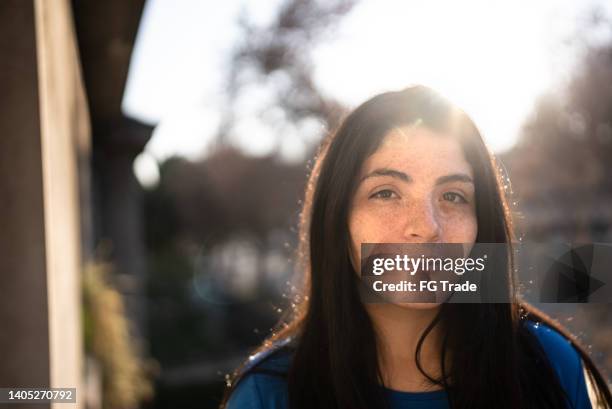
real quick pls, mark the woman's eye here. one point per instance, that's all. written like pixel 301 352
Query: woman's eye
pixel 454 197
pixel 383 194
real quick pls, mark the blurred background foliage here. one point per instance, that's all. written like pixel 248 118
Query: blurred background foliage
pixel 125 380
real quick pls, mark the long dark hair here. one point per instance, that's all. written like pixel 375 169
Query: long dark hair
pixel 495 361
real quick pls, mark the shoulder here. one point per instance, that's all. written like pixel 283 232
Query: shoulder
pixel 263 383
pixel 559 350
pixel 565 361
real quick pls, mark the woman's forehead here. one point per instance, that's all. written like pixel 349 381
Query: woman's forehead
pixel 418 151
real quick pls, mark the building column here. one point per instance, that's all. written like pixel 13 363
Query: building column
pixel 43 131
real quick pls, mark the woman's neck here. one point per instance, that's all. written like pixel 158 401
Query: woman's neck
pixel 398 332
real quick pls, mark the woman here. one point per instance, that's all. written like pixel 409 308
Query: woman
pixel 408 167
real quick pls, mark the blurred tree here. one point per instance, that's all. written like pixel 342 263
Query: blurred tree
pixel 199 206
pixel 562 162
pixel 561 173
pixel 279 55
pixel 226 194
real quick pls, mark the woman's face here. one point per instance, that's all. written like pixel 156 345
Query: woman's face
pixel 416 188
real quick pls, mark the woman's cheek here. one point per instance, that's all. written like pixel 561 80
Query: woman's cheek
pixel 364 227
pixel 375 226
pixel 460 228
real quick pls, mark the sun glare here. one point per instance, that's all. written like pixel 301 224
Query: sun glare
pixel 492 59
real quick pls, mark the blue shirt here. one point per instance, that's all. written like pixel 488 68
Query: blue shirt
pixel 266 391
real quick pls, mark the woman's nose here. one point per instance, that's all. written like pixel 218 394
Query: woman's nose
pixel 422 224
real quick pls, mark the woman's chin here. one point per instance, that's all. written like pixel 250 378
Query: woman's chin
pixel 418 305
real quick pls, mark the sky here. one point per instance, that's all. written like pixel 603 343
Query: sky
pixel 494 59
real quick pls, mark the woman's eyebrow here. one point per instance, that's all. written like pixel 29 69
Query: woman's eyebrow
pixel 454 177
pixel 387 172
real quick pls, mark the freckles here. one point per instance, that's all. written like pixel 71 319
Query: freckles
pixel 366 226
pixel 460 228
pixel 390 220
